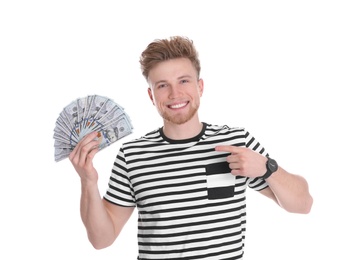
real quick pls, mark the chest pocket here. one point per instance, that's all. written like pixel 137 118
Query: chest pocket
pixel 220 182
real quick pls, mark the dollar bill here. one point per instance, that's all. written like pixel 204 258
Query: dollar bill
pixel 88 114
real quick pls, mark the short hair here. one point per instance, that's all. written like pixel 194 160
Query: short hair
pixel 166 49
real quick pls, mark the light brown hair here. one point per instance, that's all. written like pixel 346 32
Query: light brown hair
pixel 166 49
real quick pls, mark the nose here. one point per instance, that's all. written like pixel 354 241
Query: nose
pixel 175 91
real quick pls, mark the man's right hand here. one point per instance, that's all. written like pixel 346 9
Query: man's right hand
pixel 82 157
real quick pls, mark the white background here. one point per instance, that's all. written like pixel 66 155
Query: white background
pixel 288 71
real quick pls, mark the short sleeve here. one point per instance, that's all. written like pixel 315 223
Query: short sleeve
pixel 251 143
pixel 120 190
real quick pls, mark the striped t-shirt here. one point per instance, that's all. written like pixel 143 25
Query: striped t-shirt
pixel 189 204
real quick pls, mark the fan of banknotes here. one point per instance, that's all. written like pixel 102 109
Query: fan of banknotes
pixel 86 115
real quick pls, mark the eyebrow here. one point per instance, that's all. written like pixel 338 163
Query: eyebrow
pixel 164 81
pixel 184 76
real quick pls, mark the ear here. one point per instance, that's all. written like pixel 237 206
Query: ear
pixel 201 86
pixel 151 95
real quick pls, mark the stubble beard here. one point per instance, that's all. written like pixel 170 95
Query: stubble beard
pixel 179 119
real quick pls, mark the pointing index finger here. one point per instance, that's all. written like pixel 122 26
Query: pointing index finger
pixel 226 148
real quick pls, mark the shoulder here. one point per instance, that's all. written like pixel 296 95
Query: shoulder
pixel 213 129
pixel 149 138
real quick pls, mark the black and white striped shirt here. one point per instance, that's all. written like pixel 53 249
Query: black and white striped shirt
pixel 189 205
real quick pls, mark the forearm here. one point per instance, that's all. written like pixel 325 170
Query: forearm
pixel 291 191
pixel 97 221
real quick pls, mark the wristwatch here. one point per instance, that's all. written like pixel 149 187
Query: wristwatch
pixel 271 167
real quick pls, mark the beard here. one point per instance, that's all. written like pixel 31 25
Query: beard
pixel 180 118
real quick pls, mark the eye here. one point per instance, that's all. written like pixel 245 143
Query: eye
pixel 183 81
pixel 162 85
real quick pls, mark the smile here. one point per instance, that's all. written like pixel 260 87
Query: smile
pixel 180 105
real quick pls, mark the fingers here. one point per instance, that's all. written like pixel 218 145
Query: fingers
pixel 225 148
pixel 232 159
pixel 85 139
pixel 235 152
pixel 86 148
pixel 243 161
pixel 229 148
pixel 238 159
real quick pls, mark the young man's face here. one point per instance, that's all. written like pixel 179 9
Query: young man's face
pixel 175 90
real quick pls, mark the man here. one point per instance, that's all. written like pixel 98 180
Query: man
pixel 188 178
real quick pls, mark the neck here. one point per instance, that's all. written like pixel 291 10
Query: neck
pixel 183 131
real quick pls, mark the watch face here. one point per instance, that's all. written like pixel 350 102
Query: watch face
pixel 272 164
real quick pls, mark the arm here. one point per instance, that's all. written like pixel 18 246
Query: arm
pixel 290 191
pixel 103 221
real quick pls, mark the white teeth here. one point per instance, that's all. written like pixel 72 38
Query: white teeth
pixel 178 105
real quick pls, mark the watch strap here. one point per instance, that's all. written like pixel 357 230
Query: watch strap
pixel 269 171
